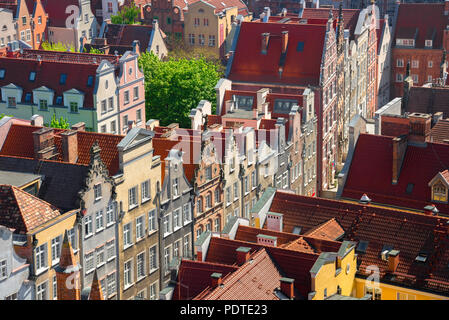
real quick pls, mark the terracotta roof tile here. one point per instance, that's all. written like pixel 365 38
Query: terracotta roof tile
pixel 440 132
pixel 429 100
pixel 330 230
pixel 22 211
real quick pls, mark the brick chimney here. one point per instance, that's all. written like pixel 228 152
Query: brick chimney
pixel 216 279
pixel 287 287
pixel 275 221
pixel 431 210
pixel 266 240
pixel 80 126
pixel 44 143
pixel 393 260
pixel 420 127
pixel 284 41
pixel 68 289
pixel 399 148
pixel 69 146
pixel 265 40
pixel 243 254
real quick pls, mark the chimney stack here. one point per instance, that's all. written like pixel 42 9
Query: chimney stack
pixel 284 41
pixel 399 148
pixel 420 127
pixel 393 260
pixel 265 40
pixel 243 254
pixel 216 279
pixel 431 210
pixel 80 126
pixel 287 287
pixel 44 143
pixel 37 120
pixel 70 146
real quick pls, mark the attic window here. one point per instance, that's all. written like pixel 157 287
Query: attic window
pixel 90 81
pixel 244 101
pixel 422 257
pixel 439 192
pixel 297 230
pixel 32 76
pixel 2 73
pixel 28 97
pixel 283 105
pixel 300 46
pixel 428 43
pixel 409 188
pixel 59 100
pixel 362 246
pixel 62 78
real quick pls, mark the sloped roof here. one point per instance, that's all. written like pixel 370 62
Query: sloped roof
pixel 125 34
pixel 300 68
pixel 423 17
pixel 77 66
pixel 440 131
pixel 257 280
pixel 410 233
pixel 371 172
pixel 429 100
pixel 22 211
pixel 350 16
pixel 19 143
pixel 329 230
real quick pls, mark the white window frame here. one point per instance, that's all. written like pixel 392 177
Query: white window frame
pixel 128 282
pixel 41 258
pixel 132 198
pixel 110 250
pixel 152 223
pixel 140 266
pixel 99 220
pixel 127 235
pixel 146 194
pixel 177 216
pixel 100 258
pixel 140 228
pixel 55 250
pixel 155 257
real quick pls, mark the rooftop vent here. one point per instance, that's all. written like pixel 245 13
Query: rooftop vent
pixel 364 199
pixel 422 257
pixel 297 230
pixel 431 210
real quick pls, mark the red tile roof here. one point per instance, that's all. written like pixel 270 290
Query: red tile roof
pixel 22 211
pixel 300 68
pixel 329 230
pixel 426 18
pixel 257 280
pixel 410 233
pixel 125 34
pixel 371 172
pixel 19 143
pixel 350 16
pixel 195 276
pixel 440 131
pixel 77 66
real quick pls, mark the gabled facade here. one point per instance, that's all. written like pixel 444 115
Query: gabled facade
pixel 7 32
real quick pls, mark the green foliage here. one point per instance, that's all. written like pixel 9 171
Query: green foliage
pixel 57 47
pixel 3 115
pixel 175 86
pixel 59 124
pixel 95 51
pixel 127 15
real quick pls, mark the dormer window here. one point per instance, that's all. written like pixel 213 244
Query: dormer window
pixel 2 73
pixel 59 100
pixel 90 81
pixel 428 44
pixel 28 97
pixel 62 78
pixel 439 187
pixel 32 76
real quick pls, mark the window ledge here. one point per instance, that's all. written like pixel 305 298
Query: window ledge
pixel 151 232
pixel 41 271
pixel 145 200
pixel 90 271
pixel 126 287
pixel 127 246
pixel 101 264
pixel 110 224
pixel 153 270
pixel 132 207
pixel 87 236
pixel 110 259
pixel 99 230
pixel 140 239
pixel 141 278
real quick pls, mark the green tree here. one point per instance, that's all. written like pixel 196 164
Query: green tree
pixel 95 51
pixel 175 86
pixel 59 124
pixel 127 15
pixel 57 46
pixel 2 115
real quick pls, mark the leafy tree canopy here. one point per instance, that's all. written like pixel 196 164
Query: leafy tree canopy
pixel 175 86
pixel 59 124
pixel 57 46
pixel 127 15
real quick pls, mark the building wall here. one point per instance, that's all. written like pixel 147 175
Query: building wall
pixel 137 166
pixel 39 18
pixel 384 67
pixel 17 269
pixel 158 46
pixel 7 31
pixel 169 17
pixel 66 36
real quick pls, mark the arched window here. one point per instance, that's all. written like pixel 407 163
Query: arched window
pixel 199 205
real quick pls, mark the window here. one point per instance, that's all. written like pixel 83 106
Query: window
pixel 72 238
pixel 89 262
pixel 176 248
pixel 145 191
pixel 186 216
pixel 439 192
pixel 139 116
pixel 167 224
pixel 186 248
pixel 206 22
pixel 246 211
pixel 430 64
pixel 217 225
pixel 12 102
pixel 43 105
pixel 236 191
pixel 39 20
pixel 99 222
pixel 246 184
pixel 110 216
pixel 3 270
pixel 86 18
pixel 167 257
pixel 42 291
pixel 168 20
pixel 140 265
pixel 126 96
pixel 140 227
pixel 32 76
pixel 141 294
pixel 110 279
pixel 285 179
pixel 12 297
pixel 429 78
pixel 177 219
pixel 110 250
pixel 199 205
pixel 128 273
pixel 22 35
pixel 428 44
pixel 90 81
pixel 217 195
pixel 253 179
pixel 399 77
pixel 111 104
pixel 415 63
pixel 38 38
pixel 132 198
pixel 62 78
pixel 405 296
pixel 196 22
pixel 55 249
pixel 175 187
pixel 191 39
pixel 103 106
pixel 127 235
pixel 153 291
pixel 110 7
pixel 136 93
pixel 113 127
pixel 208 201
pixel 209 173
pixel 211 41
pixel 415 78
pixel 209 226
pixel 201 39
pixel 88 228
pixel 74 107
pixel 399 62
pixel 125 123
pixel 100 256
pixel 28 35
pixel 228 195
pixel 2 73
pixel 152 221
pixel 376 293
pixel 153 258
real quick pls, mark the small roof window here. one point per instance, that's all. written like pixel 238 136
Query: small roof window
pixel 2 73
pixel 297 230
pixel 362 246
pixel 32 76
pixel 422 257
pixel 63 78
pixel 409 188
pixel 90 81
pixel 300 47
pixel 59 100
pixel 28 97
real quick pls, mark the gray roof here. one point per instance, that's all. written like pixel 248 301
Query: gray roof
pixel 17 179
pixel 269 192
pixel 60 181
pixel 340 297
pixel 324 258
